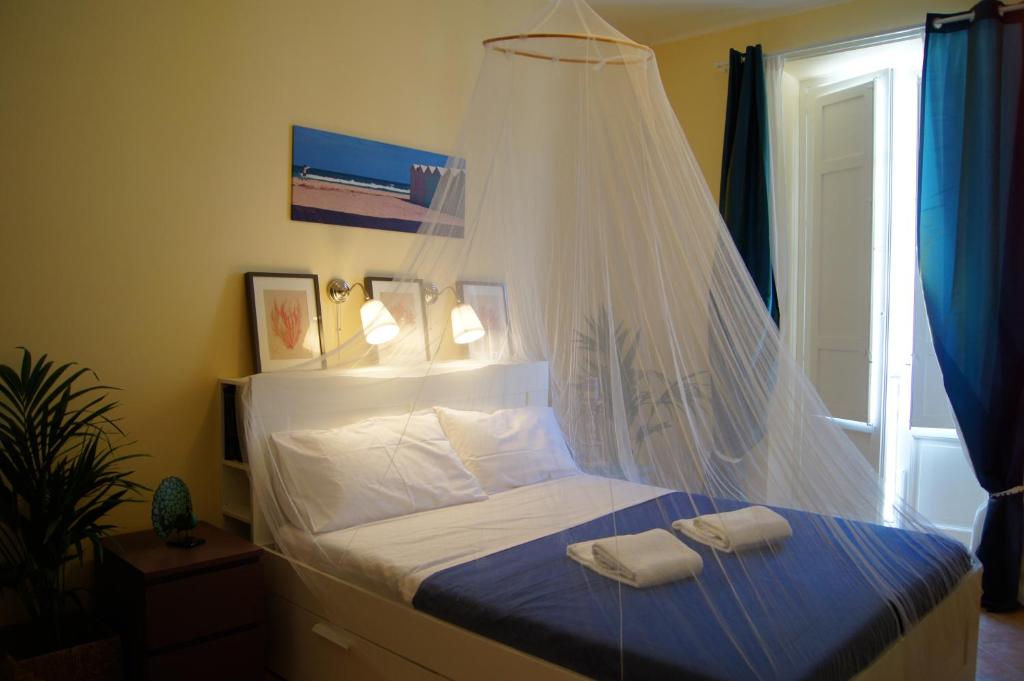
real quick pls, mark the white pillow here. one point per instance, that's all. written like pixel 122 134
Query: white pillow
pixel 509 448
pixel 370 471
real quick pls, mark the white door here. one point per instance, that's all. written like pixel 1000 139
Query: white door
pixel 836 263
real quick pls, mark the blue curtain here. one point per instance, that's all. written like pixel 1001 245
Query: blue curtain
pixel 743 195
pixel 739 424
pixel 971 256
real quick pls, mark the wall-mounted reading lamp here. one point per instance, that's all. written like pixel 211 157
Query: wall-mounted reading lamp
pixel 466 326
pixel 378 324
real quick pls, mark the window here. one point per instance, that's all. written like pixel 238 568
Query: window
pixel 855 325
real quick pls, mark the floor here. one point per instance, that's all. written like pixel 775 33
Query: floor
pixel 1001 647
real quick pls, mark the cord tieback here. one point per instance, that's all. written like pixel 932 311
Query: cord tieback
pixel 1019 489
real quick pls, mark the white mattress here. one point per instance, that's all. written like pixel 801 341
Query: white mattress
pixel 392 557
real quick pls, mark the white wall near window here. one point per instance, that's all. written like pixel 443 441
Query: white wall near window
pixel 941 485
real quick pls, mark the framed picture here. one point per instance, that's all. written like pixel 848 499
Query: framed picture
pixel 354 182
pixel 404 300
pixel 490 302
pixel 284 316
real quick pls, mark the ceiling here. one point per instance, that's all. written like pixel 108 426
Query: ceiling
pixel 659 21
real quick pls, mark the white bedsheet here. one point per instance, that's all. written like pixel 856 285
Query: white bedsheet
pixel 392 557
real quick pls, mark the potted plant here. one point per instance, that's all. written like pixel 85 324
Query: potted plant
pixel 610 357
pixel 61 473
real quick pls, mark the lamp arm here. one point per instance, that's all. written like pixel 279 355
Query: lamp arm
pixel 338 290
pixel 431 293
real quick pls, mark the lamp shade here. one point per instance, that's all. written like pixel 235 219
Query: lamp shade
pixel 466 326
pixel 378 324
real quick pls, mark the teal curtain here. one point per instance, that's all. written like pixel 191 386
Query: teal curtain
pixel 743 195
pixel 739 424
pixel 971 256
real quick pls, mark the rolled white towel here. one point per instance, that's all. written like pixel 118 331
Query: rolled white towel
pixel 640 560
pixel 736 530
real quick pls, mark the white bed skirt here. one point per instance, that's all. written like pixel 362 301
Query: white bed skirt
pixel 382 639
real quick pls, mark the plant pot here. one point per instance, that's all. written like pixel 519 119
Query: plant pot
pixel 98 660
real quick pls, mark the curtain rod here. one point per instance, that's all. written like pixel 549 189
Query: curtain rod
pixel 857 43
pixel 871 40
pixel 969 16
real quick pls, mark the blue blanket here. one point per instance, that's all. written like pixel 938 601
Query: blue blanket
pixel 801 610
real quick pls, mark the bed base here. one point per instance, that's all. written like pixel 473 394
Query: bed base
pixel 381 640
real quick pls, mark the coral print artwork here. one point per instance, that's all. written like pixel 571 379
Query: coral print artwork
pixel 287 316
pixel 404 300
pixel 491 310
pixel 491 305
pixel 284 320
pixel 402 308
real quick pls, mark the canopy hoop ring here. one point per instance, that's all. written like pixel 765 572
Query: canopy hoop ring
pixel 491 43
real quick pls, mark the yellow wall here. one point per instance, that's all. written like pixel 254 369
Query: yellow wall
pixel 697 89
pixel 146 164
pixel 146 153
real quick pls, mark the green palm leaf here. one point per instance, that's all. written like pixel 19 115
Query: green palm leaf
pixel 648 398
pixel 61 473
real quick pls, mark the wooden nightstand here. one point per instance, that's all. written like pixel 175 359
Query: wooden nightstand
pixel 186 613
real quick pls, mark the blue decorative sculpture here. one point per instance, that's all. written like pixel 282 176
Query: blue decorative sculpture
pixel 173 518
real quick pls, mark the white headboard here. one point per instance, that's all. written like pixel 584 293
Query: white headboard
pixel 326 399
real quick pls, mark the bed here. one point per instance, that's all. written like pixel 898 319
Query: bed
pixel 431 595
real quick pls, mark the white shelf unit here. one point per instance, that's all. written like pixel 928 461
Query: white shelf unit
pixel 237 505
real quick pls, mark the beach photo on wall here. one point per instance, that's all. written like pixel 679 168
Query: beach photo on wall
pixel 354 182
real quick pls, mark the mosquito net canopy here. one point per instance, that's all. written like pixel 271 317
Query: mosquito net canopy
pixel 573 227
